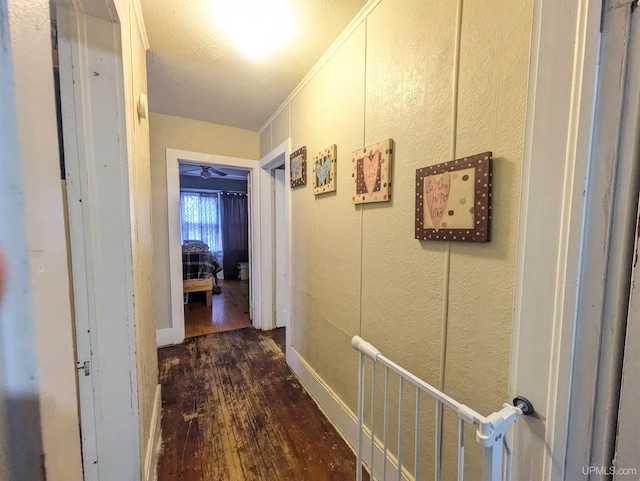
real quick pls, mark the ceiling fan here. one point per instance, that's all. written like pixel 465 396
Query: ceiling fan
pixel 206 171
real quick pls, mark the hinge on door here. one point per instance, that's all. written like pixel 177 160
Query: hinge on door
pixel 84 365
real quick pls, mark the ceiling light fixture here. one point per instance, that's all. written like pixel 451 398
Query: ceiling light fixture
pixel 205 174
pixel 256 27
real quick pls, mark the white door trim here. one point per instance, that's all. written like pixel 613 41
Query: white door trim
pixel 281 255
pixel 564 54
pixel 173 156
pixel 97 165
pixel 607 255
pixel 39 428
pixel 275 158
pixel 626 454
pixel 627 439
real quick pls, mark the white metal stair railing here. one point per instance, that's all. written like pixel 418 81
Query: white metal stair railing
pixel 491 431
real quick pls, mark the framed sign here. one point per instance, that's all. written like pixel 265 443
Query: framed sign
pixel 453 200
pixel 298 167
pixel 324 171
pixel 372 173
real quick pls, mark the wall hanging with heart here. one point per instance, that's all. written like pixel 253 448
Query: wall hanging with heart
pixel 298 167
pixel 371 173
pixel 453 200
pixel 324 170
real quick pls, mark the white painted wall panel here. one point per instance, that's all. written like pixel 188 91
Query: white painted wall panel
pixel 279 129
pixel 406 91
pixel 304 306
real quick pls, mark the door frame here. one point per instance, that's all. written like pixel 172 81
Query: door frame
pixel 564 52
pixel 626 452
pixel 607 254
pixel 628 414
pixel 39 430
pixel 272 160
pixel 562 259
pixel 176 334
pixel 281 246
pixel 95 103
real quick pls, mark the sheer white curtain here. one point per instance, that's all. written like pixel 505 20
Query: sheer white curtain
pixel 200 218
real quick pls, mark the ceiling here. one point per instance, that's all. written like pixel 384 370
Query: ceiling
pixel 195 72
pixel 195 170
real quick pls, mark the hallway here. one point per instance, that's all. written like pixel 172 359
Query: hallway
pixel 232 410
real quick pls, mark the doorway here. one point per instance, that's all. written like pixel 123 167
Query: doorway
pixel 275 232
pixel 176 333
pixel 94 72
pixel 214 225
pixel 280 235
pixel 260 231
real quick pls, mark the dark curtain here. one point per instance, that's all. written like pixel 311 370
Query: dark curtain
pixel 235 233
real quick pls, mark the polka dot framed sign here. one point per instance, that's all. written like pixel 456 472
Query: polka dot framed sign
pixel 298 164
pixel 453 200
pixel 324 171
pixel 371 173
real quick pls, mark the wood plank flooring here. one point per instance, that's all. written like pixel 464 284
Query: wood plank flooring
pixel 233 411
pixel 230 310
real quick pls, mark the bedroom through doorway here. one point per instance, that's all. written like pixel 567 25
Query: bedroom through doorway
pixel 214 235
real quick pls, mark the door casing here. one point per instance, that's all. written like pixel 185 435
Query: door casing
pixel 95 99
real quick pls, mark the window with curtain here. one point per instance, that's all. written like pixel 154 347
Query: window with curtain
pixel 200 218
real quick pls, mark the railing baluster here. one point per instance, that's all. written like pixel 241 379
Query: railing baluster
pixel 460 450
pixel 386 422
pixel 360 416
pixel 507 450
pixel 438 452
pixel 417 440
pixel 400 402
pixel 497 456
pixel 373 418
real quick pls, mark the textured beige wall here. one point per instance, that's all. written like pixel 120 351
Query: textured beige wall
pixel 168 132
pixel 265 141
pixel 358 269
pixel 280 129
pixel 142 242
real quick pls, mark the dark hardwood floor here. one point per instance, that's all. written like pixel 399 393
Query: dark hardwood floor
pixel 229 310
pixel 233 410
pixel 279 336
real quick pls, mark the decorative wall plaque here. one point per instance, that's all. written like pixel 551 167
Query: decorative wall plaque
pixel 324 171
pixel 453 200
pixel 372 173
pixel 298 164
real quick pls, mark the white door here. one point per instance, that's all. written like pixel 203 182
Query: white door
pixel 280 250
pixel 100 238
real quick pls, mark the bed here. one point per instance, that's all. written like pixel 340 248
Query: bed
pixel 199 269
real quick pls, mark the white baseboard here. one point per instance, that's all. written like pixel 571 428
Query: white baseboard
pixel 164 337
pixel 155 440
pixel 343 418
